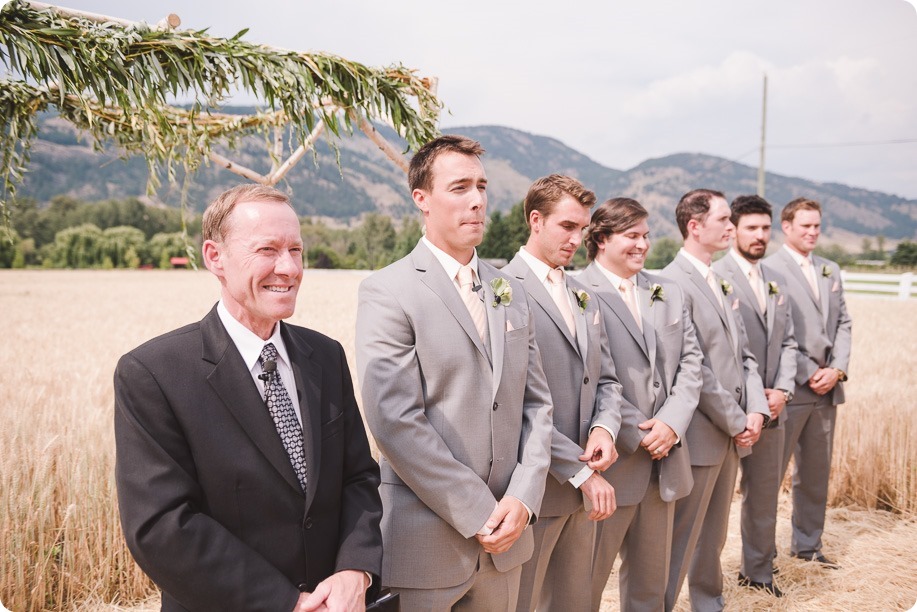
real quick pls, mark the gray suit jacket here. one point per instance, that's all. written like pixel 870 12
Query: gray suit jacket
pixel 822 327
pixel 732 386
pixel 581 376
pixel 770 334
pixel 457 434
pixel 660 373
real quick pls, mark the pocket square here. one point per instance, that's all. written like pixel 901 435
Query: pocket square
pixel 595 319
pixel 780 301
pixel 735 304
pixel 836 287
pixel 509 326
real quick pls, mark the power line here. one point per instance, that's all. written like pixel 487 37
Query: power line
pixel 826 145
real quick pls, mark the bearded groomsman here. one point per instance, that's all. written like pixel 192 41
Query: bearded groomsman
pixel 823 332
pixel 766 313
pixel 732 407
pixel 456 398
pixel 653 341
pixel 586 397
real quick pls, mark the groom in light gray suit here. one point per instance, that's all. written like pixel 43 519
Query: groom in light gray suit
pixel 653 343
pixel 586 397
pixel 823 332
pixel 732 408
pixel 765 310
pixel 455 396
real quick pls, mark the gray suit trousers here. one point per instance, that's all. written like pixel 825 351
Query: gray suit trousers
pixel 810 439
pixel 701 524
pixel 642 533
pixel 488 590
pixel 554 578
pixel 760 486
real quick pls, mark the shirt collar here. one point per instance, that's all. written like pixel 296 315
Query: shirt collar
pixel 703 268
pixel 614 278
pixel 798 257
pixel 247 342
pixel 449 263
pixel 540 268
pixel 744 264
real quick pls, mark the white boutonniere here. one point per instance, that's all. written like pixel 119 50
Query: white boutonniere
pixel 657 293
pixel 582 299
pixel 726 287
pixel 773 288
pixel 503 292
pixel 826 271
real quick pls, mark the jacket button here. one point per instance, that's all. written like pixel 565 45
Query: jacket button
pixel 308 523
pixel 586 381
pixel 496 405
pixel 656 384
pixel 738 389
pixel 303 587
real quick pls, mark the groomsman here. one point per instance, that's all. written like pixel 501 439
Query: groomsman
pixel 732 407
pixel 653 341
pixel 456 398
pixel 823 332
pixel 587 397
pixel 766 313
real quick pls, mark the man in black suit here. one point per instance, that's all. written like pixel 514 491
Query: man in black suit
pixel 244 475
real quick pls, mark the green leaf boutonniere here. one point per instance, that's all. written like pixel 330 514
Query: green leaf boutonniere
pixel 826 271
pixel 727 288
pixel 582 299
pixel 657 293
pixel 503 292
pixel 772 288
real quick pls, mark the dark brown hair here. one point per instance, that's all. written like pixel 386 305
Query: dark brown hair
pixel 420 172
pixel 694 205
pixel 749 205
pixel 789 211
pixel 547 191
pixel 614 216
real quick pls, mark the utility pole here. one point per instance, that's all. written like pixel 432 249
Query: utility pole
pixel 763 134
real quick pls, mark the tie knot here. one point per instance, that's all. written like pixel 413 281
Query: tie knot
pixel 556 276
pixel 269 352
pixel 753 273
pixel 627 285
pixel 465 276
pixel 805 262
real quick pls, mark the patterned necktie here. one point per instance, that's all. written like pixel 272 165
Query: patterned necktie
pixel 630 298
pixel 754 279
pixel 559 293
pixel 809 272
pixel 280 406
pixel 715 288
pixel 465 278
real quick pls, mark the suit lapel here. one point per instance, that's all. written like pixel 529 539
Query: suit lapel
pixel 824 288
pixel 579 320
pixel 233 383
pixel 434 277
pixel 795 270
pixel 733 272
pixel 650 320
pixel 540 294
pixel 701 284
pixel 771 315
pixel 610 295
pixel 496 320
pixel 308 376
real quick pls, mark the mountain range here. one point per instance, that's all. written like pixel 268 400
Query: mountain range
pixel 64 162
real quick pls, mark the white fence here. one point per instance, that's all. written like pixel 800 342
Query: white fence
pixel 885 285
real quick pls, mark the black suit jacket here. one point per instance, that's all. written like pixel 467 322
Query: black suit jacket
pixel 210 505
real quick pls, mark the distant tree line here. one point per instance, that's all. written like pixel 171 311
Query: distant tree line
pixel 127 233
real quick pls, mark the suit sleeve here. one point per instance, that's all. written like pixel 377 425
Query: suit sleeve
pixel 786 370
pixel 679 405
pixel 186 553
pixel 528 480
pixel 755 400
pixel 360 537
pixel 392 389
pixel 840 352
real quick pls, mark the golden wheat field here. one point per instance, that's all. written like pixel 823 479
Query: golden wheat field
pixel 63 331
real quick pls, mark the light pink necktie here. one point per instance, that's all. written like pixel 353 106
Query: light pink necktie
pixel 809 272
pixel 472 300
pixel 630 298
pixel 559 293
pixel 754 279
pixel 715 287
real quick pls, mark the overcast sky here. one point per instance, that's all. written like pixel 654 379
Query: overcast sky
pixel 626 81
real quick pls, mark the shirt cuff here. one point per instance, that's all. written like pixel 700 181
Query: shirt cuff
pixel 580 477
pixel 485 530
pixel 610 433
